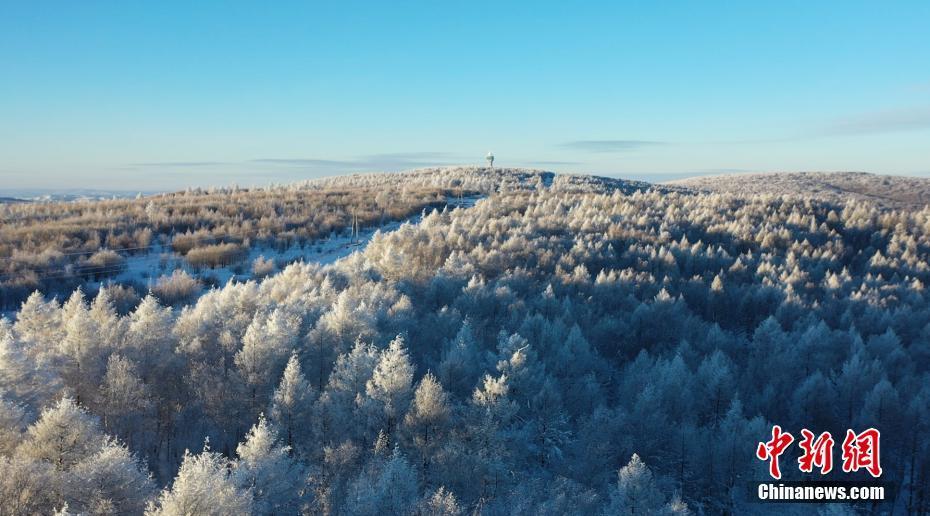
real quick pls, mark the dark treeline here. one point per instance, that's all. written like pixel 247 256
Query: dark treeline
pixel 566 346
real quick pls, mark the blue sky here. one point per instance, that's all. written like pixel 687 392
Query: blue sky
pixel 160 95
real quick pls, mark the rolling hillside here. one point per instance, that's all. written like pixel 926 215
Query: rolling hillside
pixel 884 191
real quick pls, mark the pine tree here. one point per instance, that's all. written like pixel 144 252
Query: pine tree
pixel 265 347
pixel 92 472
pixel 28 486
pixel 384 487
pixel 203 486
pixel 440 502
pixel 22 380
pixel 124 401
pixel 112 481
pixel 64 435
pixel 353 370
pixel 292 404
pixel 12 425
pixel 150 341
pixel 427 418
pixel 38 322
pixel 338 408
pixel 460 360
pixel 635 492
pixel 266 469
pixel 492 412
pixel 109 323
pixel 390 383
pixel 81 351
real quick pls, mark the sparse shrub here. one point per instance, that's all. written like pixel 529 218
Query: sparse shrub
pixel 103 263
pixel 217 255
pixel 262 267
pixel 178 288
pixel 183 243
pixel 125 298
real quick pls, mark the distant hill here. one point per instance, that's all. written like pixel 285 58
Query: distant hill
pixel 11 200
pixel 485 180
pixel 884 191
pixel 66 194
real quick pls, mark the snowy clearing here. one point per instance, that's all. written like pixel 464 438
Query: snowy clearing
pixel 146 269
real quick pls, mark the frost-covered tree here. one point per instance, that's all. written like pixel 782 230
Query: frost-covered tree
pixel 204 485
pixel 265 347
pixel 386 486
pixel 112 481
pixel 492 412
pixel 12 425
pixel 292 405
pixel 266 469
pixel 557 311
pixel 427 418
pixel 150 340
pixel 38 322
pixel 78 465
pixel 23 379
pixel 636 492
pixel 81 351
pixel 440 502
pixel 391 382
pixel 28 486
pixel 125 402
pixel 63 436
pixel 460 365
pixel 338 407
pixel 103 312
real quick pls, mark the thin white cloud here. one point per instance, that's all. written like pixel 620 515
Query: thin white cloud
pixel 892 120
pixel 372 162
pixel 609 145
pixel 176 164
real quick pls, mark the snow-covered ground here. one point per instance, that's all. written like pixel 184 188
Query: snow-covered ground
pixel 147 268
pixel 883 191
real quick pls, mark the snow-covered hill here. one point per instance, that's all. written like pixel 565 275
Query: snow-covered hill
pixel 547 350
pixel 145 269
pixel 883 191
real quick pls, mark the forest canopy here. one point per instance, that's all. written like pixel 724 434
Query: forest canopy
pixel 568 345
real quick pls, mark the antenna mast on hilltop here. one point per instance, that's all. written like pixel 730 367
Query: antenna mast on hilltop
pixel 490 158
